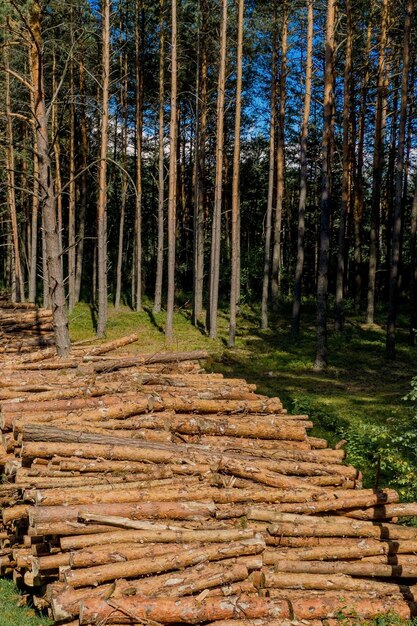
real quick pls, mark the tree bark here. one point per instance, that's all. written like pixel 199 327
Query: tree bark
pixel 52 236
pixel 277 248
pixel 172 187
pixel 123 95
pixel 72 182
pixel 346 169
pixel 271 176
pixel 137 273
pixel 399 169
pixel 218 186
pixel 11 192
pixel 303 174
pixel 378 163
pixel 83 185
pixel 161 168
pixel 200 162
pixel 102 182
pixel 327 149
pixel 235 273
pixel 413 271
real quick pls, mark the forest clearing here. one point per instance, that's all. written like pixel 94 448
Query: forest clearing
pixel 125 471
pixel 208 312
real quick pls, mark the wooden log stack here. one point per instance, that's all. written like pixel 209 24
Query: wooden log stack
pixel 156 493
pixel 24 327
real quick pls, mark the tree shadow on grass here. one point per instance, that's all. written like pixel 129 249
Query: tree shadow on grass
pixel 153 320
pixel 93 313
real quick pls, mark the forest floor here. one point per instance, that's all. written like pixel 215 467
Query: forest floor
pixel 359 398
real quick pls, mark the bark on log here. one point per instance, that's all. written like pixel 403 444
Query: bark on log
pixel 144 359
pixel 357 568
pixel 184 610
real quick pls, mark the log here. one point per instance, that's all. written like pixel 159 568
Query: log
pixel 183 425
pixel 383 512
pixel 108 346
pixel 132 569
pixel 332 582
pixel 174 509
pixel 189 581
pixel 182 610
pixel 144 359
pixel 357 568
pixel 340 504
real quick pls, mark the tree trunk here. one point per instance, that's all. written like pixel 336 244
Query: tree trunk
pixel 413 270
pixel 137 284
pixel 71 186
pixel 271 175
pixel 172 188
pixel 277 249
pixel 358 195
pixel 54 265
pixel 102 182
pixel 83 185
pixel 346 173
pixel 378 164
pixel 303 175
pixel 200 163
pixel 399 169
pixel 34 225
pixel 11 192
pixel 57 177
pixel 328 132
pixel 123 69
pixel 161 169
pixel 218 187
pixel 235 274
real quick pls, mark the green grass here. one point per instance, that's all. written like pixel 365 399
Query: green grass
pixel 358 398
pixel 13 613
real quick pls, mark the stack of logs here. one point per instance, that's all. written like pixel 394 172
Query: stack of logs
pixel 24 327
pixel 141 490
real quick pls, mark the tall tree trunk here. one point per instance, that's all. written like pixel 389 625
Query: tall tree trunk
pixel 83 182
pixel 57 160
pixel 172 186
pixel 161 168
pixel 56 280
pixel 123 94
pixel 71 186
pixel 303 174
pixel 378 163
pixel 346 173
pixel 271 175
pixel 200 161
pixel 218 186
pixel 34 225
pixel 11 191
pixel 399 168
pixel 137 296
pixel 102 182
pixel 413 270
pixel 358 196
pixel 328 132
pixel 277 248
pixel 235 274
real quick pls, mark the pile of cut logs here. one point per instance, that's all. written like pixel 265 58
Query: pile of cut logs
pixel 24 327
pixel 161 494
